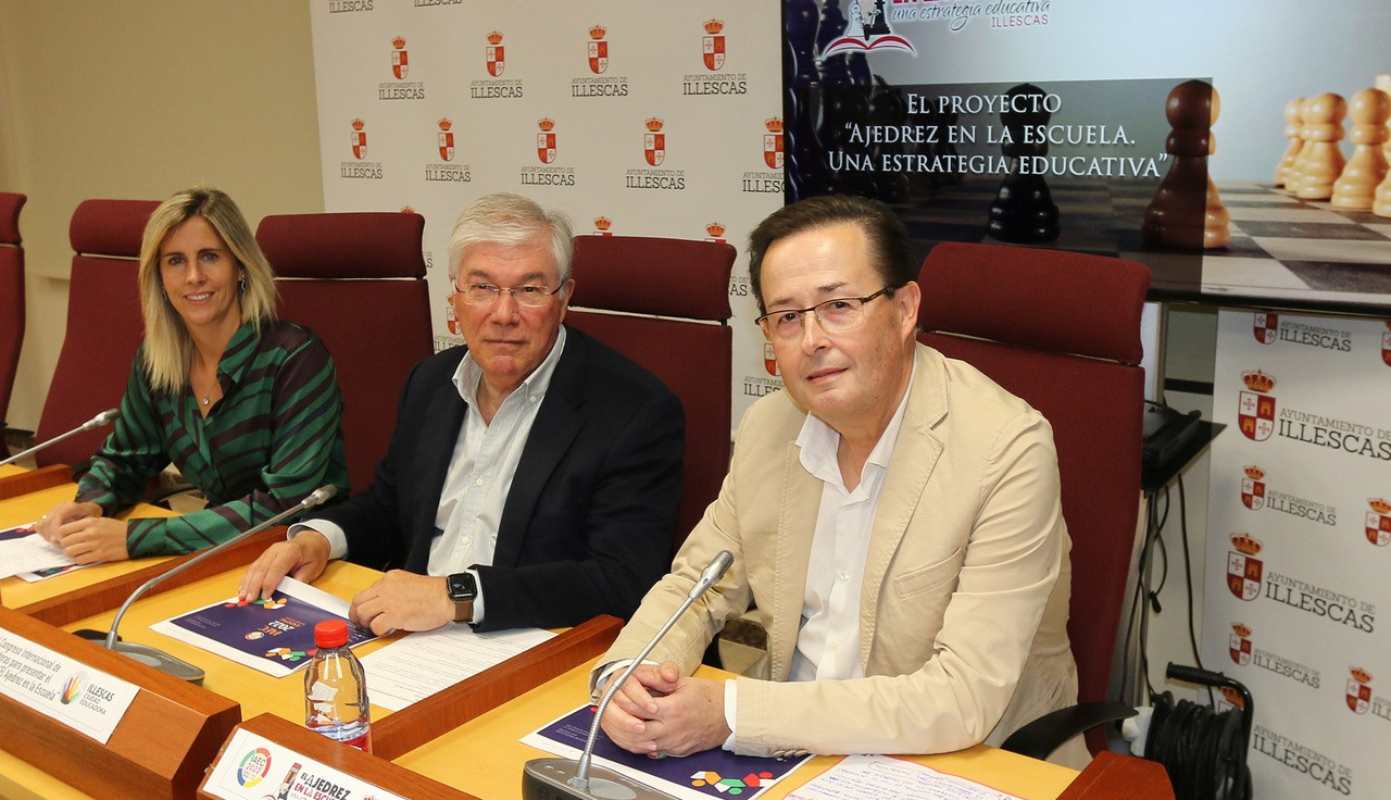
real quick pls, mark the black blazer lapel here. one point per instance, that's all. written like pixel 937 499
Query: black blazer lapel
pixel 439 433
pixel 557 424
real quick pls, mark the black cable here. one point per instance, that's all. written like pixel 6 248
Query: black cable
pixel 1202 750
pixel 1188 581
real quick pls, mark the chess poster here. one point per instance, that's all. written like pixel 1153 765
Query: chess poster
pixel 1239 149
pixel 275 636
pixel 1296 602
pixel 634 117
pixel 712 773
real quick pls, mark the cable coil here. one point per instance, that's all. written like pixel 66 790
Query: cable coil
pixel 1203 750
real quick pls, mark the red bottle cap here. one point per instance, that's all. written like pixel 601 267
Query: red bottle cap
pixel 330 633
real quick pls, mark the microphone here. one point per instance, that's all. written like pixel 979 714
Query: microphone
pixel 104 418
pixel 567 779
pixel 160 660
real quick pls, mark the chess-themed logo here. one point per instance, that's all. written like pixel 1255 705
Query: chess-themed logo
pixel 1239 644
pixel 446 139
pixel 867 30
pixel 493 55
pixel 1244 570
pixel 359 139
pixel 1379 522
pixel 254 767
pixel 654 142
pixel 72 687
pixel 773 143
pixel 1266 327
pixel 400 58
pixel 602 225
pixel 712 45
pixel 545 140
pixel 730 786
pixel 714 232
pixel 770 359
pixel 1253 488
pixel 1386 344
pixel 598 50
pixel 1359 690
pixel 1256 408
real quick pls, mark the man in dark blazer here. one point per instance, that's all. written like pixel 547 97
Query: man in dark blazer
pixel 533 477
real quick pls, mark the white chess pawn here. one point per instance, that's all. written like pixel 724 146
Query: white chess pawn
pixel 1321 162
pixel 1366 169
pixel 1383 82
pixel 1293 174
pixel 1285 168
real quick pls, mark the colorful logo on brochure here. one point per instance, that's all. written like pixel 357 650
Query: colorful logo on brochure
pixel 254 767
pixel 730 786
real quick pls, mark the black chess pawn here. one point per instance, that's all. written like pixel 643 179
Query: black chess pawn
pixel 1023 210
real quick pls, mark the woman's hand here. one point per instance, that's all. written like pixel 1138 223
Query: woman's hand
pixel 92 540
pixel 61 515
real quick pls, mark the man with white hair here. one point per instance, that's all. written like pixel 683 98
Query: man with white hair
pixel 534 474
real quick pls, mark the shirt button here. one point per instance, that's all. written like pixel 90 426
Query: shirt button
pixel 479 482
pixel 842 576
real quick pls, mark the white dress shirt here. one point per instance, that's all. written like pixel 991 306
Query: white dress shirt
pixel 479 476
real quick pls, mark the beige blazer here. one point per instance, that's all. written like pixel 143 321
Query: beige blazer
pixel 964 606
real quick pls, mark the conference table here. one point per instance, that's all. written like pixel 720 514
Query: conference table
pixel 465 739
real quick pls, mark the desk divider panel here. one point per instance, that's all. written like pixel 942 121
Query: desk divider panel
pixel 371 768
pixel 161 745
pixel 447 709
pixel 35 480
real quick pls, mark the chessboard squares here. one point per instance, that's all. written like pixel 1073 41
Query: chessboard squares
pixel 1382 228
pixel 1295 214
pixel 1335 277
pixel 1245 272
pixel 1303 231
pixel 1318 250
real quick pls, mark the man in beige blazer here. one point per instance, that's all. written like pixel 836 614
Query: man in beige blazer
pixel 895 523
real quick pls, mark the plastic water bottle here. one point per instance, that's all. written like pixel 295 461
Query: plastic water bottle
pixel 335 689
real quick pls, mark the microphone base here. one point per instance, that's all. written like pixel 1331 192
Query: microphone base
pixel 160 660
pixel 554 779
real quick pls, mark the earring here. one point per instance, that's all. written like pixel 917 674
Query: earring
pixel 241 283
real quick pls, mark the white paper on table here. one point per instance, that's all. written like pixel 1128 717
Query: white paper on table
pixel 884 778
pixel 29 554
pixel 43 575
pixel 297 589
pixel 416 666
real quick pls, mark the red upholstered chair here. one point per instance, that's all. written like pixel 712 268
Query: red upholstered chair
pixel 680 289
pixel 358 281
pixel 104 325
pixel 11 296
pixel 1062 331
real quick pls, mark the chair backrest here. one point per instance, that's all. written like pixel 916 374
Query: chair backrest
pixel 664 303
pixel 358 281
pixel 104 324
pixel 1062 331
pixel 11 295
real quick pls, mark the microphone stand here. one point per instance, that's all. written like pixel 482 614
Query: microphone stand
pixel 568 779
pixel 99 420
pixel 162 661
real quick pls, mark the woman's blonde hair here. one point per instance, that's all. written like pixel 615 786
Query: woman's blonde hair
pixel 168 350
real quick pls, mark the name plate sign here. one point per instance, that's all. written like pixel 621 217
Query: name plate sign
pixel 253 767
pixel 61 688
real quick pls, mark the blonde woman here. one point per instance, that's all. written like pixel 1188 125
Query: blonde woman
pixel 246 406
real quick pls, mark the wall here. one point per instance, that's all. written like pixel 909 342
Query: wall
pixel 139 100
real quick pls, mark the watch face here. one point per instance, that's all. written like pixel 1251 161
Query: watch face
pixel 462 586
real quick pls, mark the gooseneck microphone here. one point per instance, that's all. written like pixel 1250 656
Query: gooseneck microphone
pixel 568 779
pixel 161 660
pixel 104 418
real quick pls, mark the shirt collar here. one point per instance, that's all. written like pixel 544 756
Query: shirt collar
pixel 819 442
pixel 236 356
pixel 533 388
